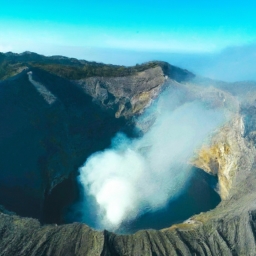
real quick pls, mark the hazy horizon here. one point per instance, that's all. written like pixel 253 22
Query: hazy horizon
pixel 231 64
pixel 213 39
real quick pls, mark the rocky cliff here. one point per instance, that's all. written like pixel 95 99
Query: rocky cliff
pixel 51 120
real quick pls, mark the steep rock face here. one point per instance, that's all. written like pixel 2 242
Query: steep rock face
pixel 231 153
pixel 227 153
pixel 130 95
pixel 126 95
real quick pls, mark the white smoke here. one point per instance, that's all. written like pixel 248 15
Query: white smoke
pixel 143 174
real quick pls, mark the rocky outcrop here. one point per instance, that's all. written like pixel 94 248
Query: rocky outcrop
pixel 127 96
pixel 231 153
pixel 228 153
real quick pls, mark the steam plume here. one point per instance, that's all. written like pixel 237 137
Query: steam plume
pixel 138 175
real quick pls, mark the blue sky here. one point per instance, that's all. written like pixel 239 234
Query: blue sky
pixel 95 30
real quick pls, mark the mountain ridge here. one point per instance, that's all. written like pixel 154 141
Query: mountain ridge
pixel 82 68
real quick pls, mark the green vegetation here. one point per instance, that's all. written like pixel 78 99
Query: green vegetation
pixel 75 73
pixel 69 68
pixel 8 70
